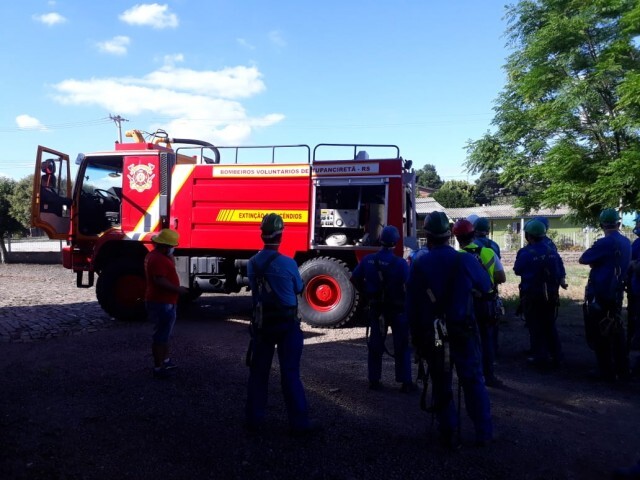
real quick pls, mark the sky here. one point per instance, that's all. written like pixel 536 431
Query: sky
pixel 419 74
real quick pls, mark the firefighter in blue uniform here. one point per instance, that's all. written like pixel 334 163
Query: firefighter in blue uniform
pixel 546 240
pixel 382 278
pixel 486 310
pixel 440 293
pixel 276 324
pixel 482 229
pixel 633 298
pixel 541 273
pixel 609 259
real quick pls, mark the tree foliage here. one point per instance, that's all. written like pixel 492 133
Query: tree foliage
pixel 20 201
pixel 487 188
pixel 8 223
pixel 455 194
pixel 568 119
pixel 428 177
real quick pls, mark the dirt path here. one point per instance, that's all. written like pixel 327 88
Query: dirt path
pixel 84 406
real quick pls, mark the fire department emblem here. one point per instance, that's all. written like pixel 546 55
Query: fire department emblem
pixel 141 177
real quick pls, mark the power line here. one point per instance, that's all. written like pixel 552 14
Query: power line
pixel 118 121
pixel 57 126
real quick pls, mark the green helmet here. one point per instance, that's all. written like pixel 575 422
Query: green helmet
pixel 609 217
pixel 482 225
pixel 272 225
pixel 535 228
pixel 436 224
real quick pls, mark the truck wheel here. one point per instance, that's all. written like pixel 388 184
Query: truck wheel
pixel 120 290
pixel 329 299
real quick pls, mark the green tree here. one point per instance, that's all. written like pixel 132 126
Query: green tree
pixel 567 123
pixel 8 223
pixel 487 188
pixel 427 176
pixel 20 201
pixel 455 194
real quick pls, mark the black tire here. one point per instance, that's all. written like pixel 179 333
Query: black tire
pixel 329 299
pixel 120 290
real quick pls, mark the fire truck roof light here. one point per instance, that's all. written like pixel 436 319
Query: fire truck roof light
pixel 362 155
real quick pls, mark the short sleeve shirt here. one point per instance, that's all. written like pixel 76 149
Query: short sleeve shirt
pixel 157 264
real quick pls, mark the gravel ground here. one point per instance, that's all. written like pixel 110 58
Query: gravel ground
pixel 78 401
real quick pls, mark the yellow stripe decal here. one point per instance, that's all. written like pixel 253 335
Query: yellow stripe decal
pixel 255 216
pixel 180 175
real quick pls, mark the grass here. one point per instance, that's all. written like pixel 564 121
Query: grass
pixel 577 276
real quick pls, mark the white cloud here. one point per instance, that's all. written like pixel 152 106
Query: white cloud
pixel 116 46
pixel 173 59
pixel 150 14
pixel 230 82
pixel 275 37
pixel 50 19
pixel 198 104
pixel 29 122
pixel 244 43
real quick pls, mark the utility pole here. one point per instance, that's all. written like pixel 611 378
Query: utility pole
pixel 118 121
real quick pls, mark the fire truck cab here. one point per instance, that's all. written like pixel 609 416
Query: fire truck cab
pixel 334 199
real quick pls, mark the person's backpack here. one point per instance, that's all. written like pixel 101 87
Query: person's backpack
pixel 263 292
pixel 383 297
pixel 547 273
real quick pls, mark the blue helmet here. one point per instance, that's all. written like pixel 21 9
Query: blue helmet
pixel 482 225
pixel 389 236
pixel 544 221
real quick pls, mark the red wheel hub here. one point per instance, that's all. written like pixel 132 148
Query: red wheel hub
pixel 323 293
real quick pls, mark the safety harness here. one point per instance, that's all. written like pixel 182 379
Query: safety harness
pixel 441 366
pixel 382 300
pixel 593 308
pixel 263 289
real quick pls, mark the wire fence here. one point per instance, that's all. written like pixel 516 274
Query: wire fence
pixel 572 241
pixel 33 244
pixel 508 242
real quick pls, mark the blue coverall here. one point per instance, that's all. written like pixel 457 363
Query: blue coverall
pixel 281 328
pixel 451 276
pixel 485 311
pixel 539 296
pixel 633 325
pixel 484 241
pixel 609 259
pixel 387 311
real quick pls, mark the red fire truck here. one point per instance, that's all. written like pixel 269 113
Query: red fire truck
pixel 334 200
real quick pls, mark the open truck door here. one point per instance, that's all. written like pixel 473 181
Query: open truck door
pixel 51 198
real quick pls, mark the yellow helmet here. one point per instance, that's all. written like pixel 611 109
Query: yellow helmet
pixel 166 237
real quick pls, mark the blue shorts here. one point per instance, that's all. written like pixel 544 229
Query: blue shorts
pixel 163 316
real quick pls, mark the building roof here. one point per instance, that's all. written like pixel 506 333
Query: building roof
pixel 504 211
pixel 425 205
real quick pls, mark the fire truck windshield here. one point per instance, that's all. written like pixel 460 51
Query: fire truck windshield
pixel 100 195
